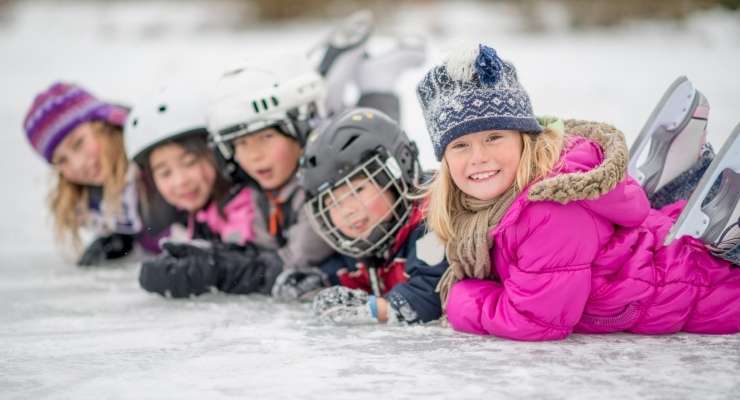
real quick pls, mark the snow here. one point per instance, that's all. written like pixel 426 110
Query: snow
pixel 89 333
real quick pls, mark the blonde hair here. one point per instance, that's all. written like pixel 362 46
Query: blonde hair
pixel 540 153
pixel 68 201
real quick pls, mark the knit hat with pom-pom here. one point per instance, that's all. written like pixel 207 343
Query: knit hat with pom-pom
pixel 473 91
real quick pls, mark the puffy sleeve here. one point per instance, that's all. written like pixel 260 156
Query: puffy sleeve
pixel 544 262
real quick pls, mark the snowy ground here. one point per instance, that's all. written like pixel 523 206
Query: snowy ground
pixel 72 333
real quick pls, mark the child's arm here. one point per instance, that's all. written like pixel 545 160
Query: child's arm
pixel 416 300
pixel 548 255
pixel 303 247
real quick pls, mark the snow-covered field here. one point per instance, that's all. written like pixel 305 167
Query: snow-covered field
pixel 72 333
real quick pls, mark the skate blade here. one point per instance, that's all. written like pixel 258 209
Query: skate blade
pixel 670 112
pixel 695 220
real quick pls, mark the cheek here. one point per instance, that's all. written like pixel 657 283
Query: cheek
pixel 286 153
pixel 165 188
pixel 206 174
pixel 456 167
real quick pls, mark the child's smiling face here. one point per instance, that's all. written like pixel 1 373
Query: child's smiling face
pixel 268 156
pixel 78 157
pixel 184 179
pixel 358 206
pixel 484 164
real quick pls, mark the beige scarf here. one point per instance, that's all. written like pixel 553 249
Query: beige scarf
pixel 468 254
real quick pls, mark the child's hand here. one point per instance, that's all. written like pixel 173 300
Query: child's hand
pixel 299 284
pixel 342 305
pixel 106 248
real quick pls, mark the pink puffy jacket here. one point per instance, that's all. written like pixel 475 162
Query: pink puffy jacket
pixel 595 266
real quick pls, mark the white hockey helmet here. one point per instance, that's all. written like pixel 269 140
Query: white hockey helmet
pixel 282 91
pixel 176 110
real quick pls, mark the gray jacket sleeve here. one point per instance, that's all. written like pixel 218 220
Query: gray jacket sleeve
pixel 303 247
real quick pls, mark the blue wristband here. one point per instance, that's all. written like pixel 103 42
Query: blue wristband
pixel 372 303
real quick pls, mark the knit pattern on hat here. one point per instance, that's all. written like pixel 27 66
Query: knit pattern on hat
pixel 472 91
pixel 58 110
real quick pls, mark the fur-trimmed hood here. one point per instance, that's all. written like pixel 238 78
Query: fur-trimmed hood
pixel 570 186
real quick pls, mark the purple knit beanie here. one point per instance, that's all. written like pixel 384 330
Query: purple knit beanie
pixel 56 111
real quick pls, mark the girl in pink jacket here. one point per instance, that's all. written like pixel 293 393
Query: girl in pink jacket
pixel 544 233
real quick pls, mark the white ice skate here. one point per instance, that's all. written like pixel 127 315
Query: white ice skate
pixel 716 223
pixel 352 33
pixel 673 136
pixel 383 65
pixel 340 54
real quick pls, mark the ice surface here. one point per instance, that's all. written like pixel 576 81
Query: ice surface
pixel 67 332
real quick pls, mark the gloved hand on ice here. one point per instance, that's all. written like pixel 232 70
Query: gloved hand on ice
pixel 104 248
pixel 342 305
pixel 186 269
pixel 299 284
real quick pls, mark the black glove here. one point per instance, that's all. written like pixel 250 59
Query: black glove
pixel 110 247
pixel 299 284
pixel 245 270
pixel 180 271
pixel 185 269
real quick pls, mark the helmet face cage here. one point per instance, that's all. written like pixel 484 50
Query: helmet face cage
pixel 386 177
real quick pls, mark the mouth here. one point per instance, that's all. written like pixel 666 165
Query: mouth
pixel 191 195
pixel 264 173
pixel 360 225
pixel 483 175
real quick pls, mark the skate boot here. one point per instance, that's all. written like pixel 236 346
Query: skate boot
pixel 673 137
pixel 716 221
pixel 340 54
pixel 377 75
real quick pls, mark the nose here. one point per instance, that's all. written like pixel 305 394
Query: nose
pixel 478 156
pixel 348 206
pixel 179 178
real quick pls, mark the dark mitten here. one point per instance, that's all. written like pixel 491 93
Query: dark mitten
pixel 110 247
pixel 299 284
pixel 181 271
pixel 245 270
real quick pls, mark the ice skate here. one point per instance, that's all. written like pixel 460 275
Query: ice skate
pixel 716 222
pixel 673 137
pixel 340 54
pixel 380 68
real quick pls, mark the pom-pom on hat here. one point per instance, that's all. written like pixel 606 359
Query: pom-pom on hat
pixel 59 109
pixel 472 91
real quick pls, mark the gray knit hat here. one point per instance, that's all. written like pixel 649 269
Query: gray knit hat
pixel 473 91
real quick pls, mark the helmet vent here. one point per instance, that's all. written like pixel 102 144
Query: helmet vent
pixel 350 141
pixel 274 101
pixel 311 161
pixel 256 107
pixel 162 108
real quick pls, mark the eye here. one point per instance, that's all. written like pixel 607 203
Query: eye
pixel 189 160
pixel 493 137
pixel 78 143
pixel 458 145
pixel 162 173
